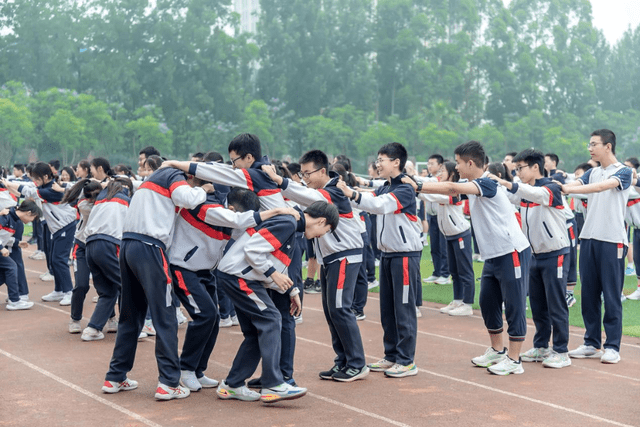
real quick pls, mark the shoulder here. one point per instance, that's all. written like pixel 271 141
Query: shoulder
pixel 487 186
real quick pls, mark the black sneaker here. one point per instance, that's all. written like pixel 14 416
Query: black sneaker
pixel 308 284
pixel 328 375
pixel 315 289
pixel 360 315
pixel 290 381
pixel 254 383
pixel 346 375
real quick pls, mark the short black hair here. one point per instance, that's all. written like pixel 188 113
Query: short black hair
pixel 395 150
pixel 243 200
pixel 317 157
pixel 511 153
pixel 55 163
pixel 532 157
pixel 19 166
pixel 554 158
pixel 437 157
pixel 246 143
pixel 294 168
pixel 198 155
pixel 584 166
pixel 213 156
pixel 30 206
pixel 634 161
pixel 471 150
pixel 149 151
pixel 607 137
pixel 324 210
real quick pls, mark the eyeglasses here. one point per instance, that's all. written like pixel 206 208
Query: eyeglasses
pixel 378 161
pixel 519 168
pixel 593 144
pixel 306 175
pixel 233 161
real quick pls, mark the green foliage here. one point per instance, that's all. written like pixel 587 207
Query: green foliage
pixel 67 131
pixel 16 129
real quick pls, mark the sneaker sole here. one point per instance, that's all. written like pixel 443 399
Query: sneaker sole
pixel 236 397
pixel 402 374
pixel 486 365
pixel 165 397
pixel 502 374
pixel 278 398
pixel 547 365
pixel 52 300
pixel 97 338
pixel 582 356
pixel 610 362
pixel 380 369
pixel 360 376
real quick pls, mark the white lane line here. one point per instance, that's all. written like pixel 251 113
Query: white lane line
pixel 480 317
pixel 81 390
pixel 335 402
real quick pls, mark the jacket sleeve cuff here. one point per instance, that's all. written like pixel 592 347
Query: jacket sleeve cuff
pixel 285 183
pixel 257 218
pixel 192 168
pixel 514 188
pixel 270 271
pixel 20 189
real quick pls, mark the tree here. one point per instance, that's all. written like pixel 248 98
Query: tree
pixel 67 131
pixel 148 131
pixel 16 129
pixel 257 121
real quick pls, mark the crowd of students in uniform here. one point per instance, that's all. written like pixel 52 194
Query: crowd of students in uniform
pixel 225 241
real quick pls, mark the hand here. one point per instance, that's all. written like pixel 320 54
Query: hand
pixel 270 170
pixel 23 245
pixel 296 306
pixel 499 180
pixel 169 164
pixel 361 181
pixel 290 211
pixel 345 188
pixel 209 188
pixel 4 212
pixel 4 252
pixel 57 187
pixel 407 180
pixel 282 281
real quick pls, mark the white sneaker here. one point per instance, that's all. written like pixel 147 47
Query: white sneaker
pixel 586 352
pixel 283 391
pixel 111 326
pixel 189 380
pixel 373 284
pixel 418 312
pixel 443 280
pixel 463 310
pixel 75 327
pixel 114 387
pixel 148 328
pixel 182 319
pixel 206 382
pixel 91 334
pixel 235 321
pixel 298 319
pixel 95 299
pixel 610 356
pixel 47 277
pixel 19 305
pixel 53 296
pixel 557 360
pixel 453 304
pixel 535 354
pixel 38 255
pixel 164 392
pixel 66 299
pixel 142 336
pixel 376 263
pixel 623 298
pixel 635 295
pixel 430 279
pixel 226 322
pixel 490 357
pixel 225 392
pixel 506 366
pixel 24 297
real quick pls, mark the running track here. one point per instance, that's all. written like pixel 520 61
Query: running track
pixel 51 378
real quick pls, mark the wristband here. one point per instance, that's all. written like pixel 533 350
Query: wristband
pixel 295 291
pixel 419 189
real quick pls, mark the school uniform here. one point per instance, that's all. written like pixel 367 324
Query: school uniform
pixel 104 235
pixel 572 233
pixel 632 218
pixel 245 273
pixel 362 282
pixel 199 239
pixel 80 265
pixel 603 248
pixel 399 241
pixel 456 229
pixel 60 223
pixel 8 267
pixel 16 251
pixel 339 255
pixel 506 254
pixel 544 223
pixel 144 270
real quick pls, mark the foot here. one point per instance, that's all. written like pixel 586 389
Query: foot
pixel 180 317
pixel 91 334
pixel 148 328
pixel 114 386
pixel 19 305
pixel 359 315
pixel 225 392
pixel 66 299
pixel 142 336
pixel 535 355
pixel 635 295
pixel 53 296
pixel 235 321
pixel 586 352
pixel 298 319
pixel 95 299
pixel 490 357
pixel 571 300
pixel 226 322
pixel 556 360
pixel 328 375
pixel 630 271
pixel 347 375
pixel 75 327
pixel 381 365
pixel 444 280
pixel 430 279
pixel 462 310
pixel 610 356
pixel 111 326
pixel 309 283
pixel 506 366
pixel 453 304
pixel 400 371
pixel 282 392
pixel 206 382
pixel 47 277
pixel 164 392
pixel 373 284
pixel 189 380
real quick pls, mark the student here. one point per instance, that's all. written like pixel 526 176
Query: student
pixel 259 259
pixel 340 255
pixel 457 231
pixel 506 254
pixel 199 239
pixel 580 203
pixel 508 163
pixel 146 282
pixel 602 249
pixel 82 195
pixel 55 167
pixel 61 222
pixel 67 175
pixel 544 223
pixel 83 170
pixel 634 164
pixel 11 265
pixel 104 235
pixel 438 243
pixel 101 169
pixel 401 248
pixel 144 154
